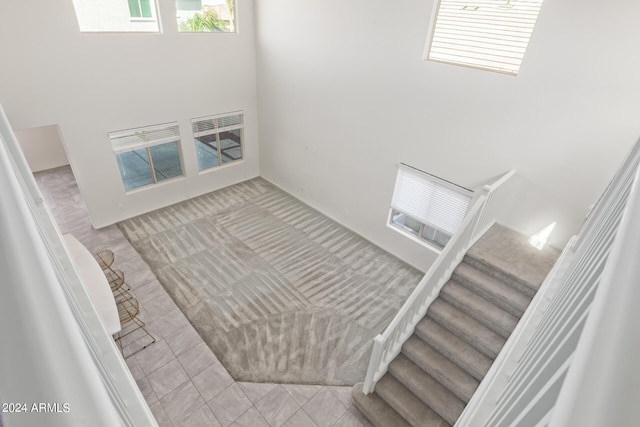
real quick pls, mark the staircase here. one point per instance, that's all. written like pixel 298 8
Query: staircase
pixel 440 366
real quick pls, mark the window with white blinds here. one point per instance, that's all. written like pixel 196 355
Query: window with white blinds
pixel 428 207
pixel 147 155
pixel 218 139
pixel 491 35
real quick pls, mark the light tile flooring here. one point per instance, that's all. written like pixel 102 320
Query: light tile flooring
pixel 181 379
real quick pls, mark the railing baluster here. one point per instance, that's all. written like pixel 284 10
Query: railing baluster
pixel 568 361
pixel 388 345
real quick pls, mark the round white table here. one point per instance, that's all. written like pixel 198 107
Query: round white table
pixel 96 283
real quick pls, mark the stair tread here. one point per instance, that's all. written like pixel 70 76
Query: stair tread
pixel 500 293
pixel 510 253
pixel 456 349
pixel 434 363
pixel 479 308
pixel 376 409
pixel 466 327
pixel 407 404
pixel 489 270
pixel 435 395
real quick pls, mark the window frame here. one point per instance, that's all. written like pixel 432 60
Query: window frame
pixel 150 6
pixel 482 42
pixel 115 17
pixel 217 130
pixel 140 133
pixel 439 185
pixel 233 22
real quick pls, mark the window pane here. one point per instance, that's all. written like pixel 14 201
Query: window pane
pixel 206 16
pixel 437 237
pixel 406 223
pixel 134 168
pixel 134 9
pixel 230 145
pixel 166 160
pixel 428 233
pixel 442 239
pixel 145 8
pixel 207 152
pixel 481 34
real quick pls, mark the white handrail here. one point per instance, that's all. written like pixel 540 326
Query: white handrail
pixel 607 354
pixel 388 344
pixel 573 359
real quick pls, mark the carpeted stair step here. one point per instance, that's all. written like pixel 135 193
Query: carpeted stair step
pixel 466 327
pixel 426 388
pixel 434 363
pixel 489 269
pixel 412 409
pixel 507 255
pixel 498 292
pixel 376 409
pixel 455 349
pixel 482 310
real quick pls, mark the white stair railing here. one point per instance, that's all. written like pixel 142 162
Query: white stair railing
pixel 480 217
pixel 55 349
pixel 573 359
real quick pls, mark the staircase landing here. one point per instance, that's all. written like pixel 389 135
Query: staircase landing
pixel 453 346
pixel 511 253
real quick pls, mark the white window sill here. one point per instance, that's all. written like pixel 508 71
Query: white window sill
pixel 154 185
pixel 421 242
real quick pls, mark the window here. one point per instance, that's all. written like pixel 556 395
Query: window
pixel 140 9
pixel 487 34
pixel 218 139
pixel 147 155
pixel 426 207
pixel 117 15
pixel 198 16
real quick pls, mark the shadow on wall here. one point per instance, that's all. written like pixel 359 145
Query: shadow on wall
pixel 42 147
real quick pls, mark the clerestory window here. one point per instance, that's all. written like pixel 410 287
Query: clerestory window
pixel 140 9
pixel 206 16
pixel 117 16
pixel 487 34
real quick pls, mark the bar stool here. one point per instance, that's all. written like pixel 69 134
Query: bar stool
pixel 128 310
pixel 117 283
pixel 105 258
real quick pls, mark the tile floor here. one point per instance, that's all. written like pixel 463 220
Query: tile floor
pixel 181 379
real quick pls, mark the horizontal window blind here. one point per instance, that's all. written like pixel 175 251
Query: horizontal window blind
pixel 432 201
pixel 485 34
pixel 215 124
pixel 132 139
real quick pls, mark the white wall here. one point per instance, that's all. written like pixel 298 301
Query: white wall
pixel 91 84
pixel 344 96
pixel 42 147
